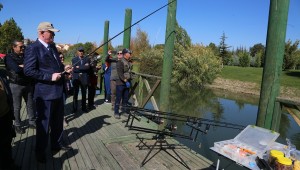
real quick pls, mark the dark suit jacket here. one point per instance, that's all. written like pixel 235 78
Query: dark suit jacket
pixel 40 64
pixel 81 73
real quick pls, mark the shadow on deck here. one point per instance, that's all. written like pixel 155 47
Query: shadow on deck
pixel 100 141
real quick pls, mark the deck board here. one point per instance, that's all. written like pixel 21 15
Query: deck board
pixel 100 141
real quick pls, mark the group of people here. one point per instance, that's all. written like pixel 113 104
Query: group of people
pixel 37 74
pixel 118 81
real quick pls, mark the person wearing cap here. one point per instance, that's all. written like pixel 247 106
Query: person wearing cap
pixel 20 85
pixel 80 78
pixel 124 68
pixel 42 63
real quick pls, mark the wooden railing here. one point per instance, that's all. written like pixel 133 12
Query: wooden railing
pixel 137 91
pixel 291 106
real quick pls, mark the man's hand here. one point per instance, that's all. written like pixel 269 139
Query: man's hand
pixel 56 76
pixel 68 68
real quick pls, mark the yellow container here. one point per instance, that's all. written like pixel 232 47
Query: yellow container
pixel 296 165
pixel 283 163
pixel 274 154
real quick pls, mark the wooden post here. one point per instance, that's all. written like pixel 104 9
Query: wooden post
pixel 275 45
pixel 168 57
pixel 127 25
pixel 105 39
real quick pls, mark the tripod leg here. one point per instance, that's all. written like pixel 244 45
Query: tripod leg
pixel 179 159
pixel 151 149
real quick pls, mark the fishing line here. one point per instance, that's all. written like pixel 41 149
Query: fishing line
pixel 124 31
pixel 131 26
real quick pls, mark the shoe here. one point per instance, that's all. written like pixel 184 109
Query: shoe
pixel 65 123
pixel 40 157
pixel 84 110
pixel 107 102
pixel 61 148
pixel 32 126
pixel 92 107
pixel 19 130
pixel 117 116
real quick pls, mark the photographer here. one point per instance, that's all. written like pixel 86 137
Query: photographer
pixel 20 85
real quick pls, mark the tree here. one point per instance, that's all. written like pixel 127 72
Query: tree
pixel 140 43
pixel 257 48
pixel 9 32
pixel 244 59
pixel 197 67
pixel 1 6
pixel 214 48
pixel 151 62
pixel 258 51
pixel 290 58
pixel 223 49
pixel 182 38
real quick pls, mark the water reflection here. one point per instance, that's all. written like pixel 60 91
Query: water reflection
pixel 225 107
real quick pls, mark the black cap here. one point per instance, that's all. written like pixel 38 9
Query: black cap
pixel 125 50
pixel 80 48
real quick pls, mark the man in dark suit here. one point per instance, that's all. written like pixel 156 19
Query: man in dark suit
pixel 42 63
pixel 80 78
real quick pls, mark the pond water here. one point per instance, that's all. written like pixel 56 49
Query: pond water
pixel 224 107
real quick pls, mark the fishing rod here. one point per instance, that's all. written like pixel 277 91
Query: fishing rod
pixel 98 57
pixel 132 26
pixel 195 124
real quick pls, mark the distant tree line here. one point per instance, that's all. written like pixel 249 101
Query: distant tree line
pixel 255 56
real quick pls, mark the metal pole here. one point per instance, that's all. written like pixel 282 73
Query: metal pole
pixel 275 45
pixel 127 24
pixel 168 57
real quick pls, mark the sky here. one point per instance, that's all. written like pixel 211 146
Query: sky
pixel 244 22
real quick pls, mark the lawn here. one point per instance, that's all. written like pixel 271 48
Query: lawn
pixel 289 78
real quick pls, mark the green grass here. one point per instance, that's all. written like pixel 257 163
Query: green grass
pixel 289 78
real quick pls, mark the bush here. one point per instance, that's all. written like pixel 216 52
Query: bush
pixel 152 62
pixel 197 67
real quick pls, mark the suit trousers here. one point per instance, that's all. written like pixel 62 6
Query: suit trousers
pixel 83 87
pixel 50 116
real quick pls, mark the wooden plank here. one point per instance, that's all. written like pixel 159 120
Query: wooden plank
pixel 125 161
pixel 99 141
pixel 294 113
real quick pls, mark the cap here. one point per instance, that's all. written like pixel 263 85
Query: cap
pixel 45 26
pixel 80 48
pixel 125 50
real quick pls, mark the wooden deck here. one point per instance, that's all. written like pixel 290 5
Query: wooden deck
pixel 100 141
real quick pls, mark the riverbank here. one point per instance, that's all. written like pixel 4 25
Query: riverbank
pixel 250 88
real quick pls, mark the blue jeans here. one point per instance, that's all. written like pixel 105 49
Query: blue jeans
pixel 26 92
pixel 122 93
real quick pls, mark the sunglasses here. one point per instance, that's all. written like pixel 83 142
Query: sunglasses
pixel 119 53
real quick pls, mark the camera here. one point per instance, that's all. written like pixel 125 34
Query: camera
pixel 95 59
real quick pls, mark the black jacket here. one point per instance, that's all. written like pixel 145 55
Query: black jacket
pixel 14 71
